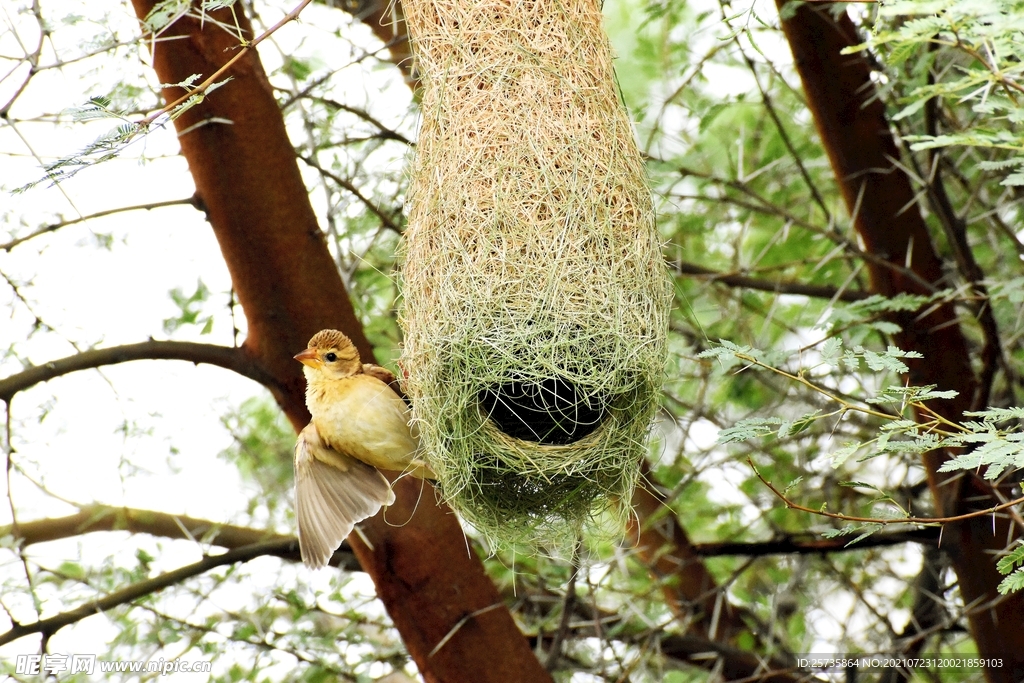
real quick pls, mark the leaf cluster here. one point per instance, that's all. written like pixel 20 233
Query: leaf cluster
pixel 973 50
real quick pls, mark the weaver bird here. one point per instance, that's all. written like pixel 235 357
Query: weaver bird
pixel 360 426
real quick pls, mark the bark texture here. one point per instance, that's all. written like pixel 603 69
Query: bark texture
pixel 856 135
pixel 248 181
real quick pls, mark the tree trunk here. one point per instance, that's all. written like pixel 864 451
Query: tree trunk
pixel 247 179
pixel 853 128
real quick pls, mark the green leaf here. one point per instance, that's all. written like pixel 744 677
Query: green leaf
pixel 190 307
pixel 747 429
pixel 890 360
pixel 1007 564
pixel 915 106
pixel 998 451
pixel 1015 557
pixel 840 456
pixel 186 84
pixel 997 414
pixel 72 570
pixel 831 349
pixel 1012 583
pixel 798 425
pixel 1014 179
pixel 861 485
pixel 909 394
pixel 1000 164
pixel 865 531
pixel 164 13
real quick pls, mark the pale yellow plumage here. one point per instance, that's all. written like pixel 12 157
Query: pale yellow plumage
pixel 359 424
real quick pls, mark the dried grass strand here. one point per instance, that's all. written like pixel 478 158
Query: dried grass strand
pixel 531 256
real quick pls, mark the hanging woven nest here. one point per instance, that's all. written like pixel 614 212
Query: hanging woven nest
pixel 535 293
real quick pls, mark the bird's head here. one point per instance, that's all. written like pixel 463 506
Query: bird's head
pixel 330 355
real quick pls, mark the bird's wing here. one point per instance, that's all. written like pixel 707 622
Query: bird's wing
pixel 332 493
pixel 384 375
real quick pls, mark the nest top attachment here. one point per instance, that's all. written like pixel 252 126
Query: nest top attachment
pixel 535 293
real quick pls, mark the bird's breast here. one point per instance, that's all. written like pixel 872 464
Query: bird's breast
pixel 362 417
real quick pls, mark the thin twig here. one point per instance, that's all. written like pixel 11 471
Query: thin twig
pixel 956 233
pixel 881 520
pixel 387 220
pixel 568 605
pixel 763 205
pixel 32 57
pixel 770 108
pixel 462 622
pixel 205 85
pixel 99 214
pixel 811 385
pixel 385 132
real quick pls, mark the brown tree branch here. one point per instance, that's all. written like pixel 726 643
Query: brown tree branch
pixel 778 287
pixel 164 524
pixel 926 536
pixel 927 613
pixel 568 606
pixel 222 356
pixel 385 219
pixel 691 592
pixel 591 621
pixel 239 52
pixel 108 518
pixel 47 627
pixel 661 540
pixel 7 246
pixel 956 234
pixel 690 649
pixel 732 662
pixel 763 205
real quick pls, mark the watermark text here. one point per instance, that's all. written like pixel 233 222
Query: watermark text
pixel 55 664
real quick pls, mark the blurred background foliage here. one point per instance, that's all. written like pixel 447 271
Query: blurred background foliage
pixel 751 218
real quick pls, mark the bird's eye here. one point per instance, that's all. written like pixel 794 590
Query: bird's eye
pixel 331 357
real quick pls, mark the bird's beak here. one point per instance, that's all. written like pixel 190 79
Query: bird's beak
pixel 308 357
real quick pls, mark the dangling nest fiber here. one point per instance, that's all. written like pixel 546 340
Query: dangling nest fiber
pixel 535 293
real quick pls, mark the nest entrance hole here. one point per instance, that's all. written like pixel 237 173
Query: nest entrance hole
pixel 551 411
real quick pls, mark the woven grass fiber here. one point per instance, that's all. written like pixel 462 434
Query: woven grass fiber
pixel 535 292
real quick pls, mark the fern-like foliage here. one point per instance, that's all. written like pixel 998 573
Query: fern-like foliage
pixel 980 40
pixel 1013 566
